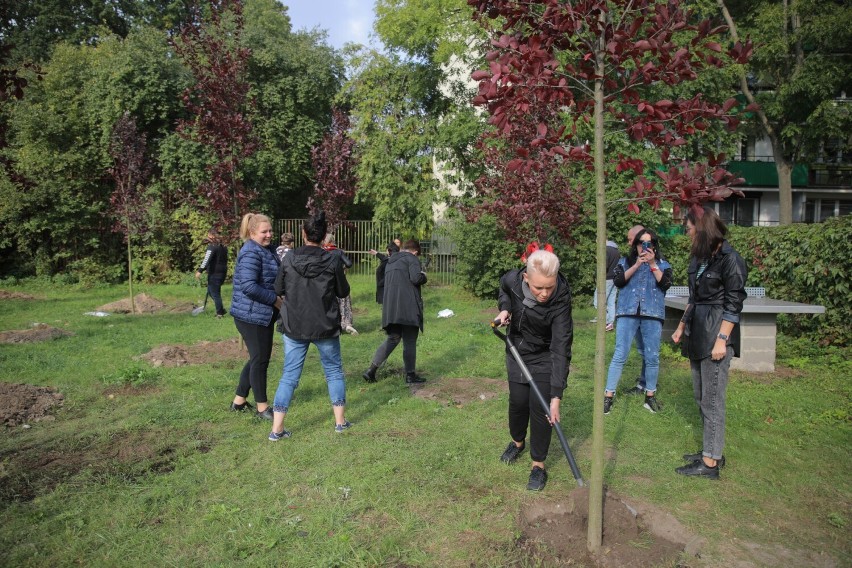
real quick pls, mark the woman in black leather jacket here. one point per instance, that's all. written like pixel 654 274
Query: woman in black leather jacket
pixel 709 332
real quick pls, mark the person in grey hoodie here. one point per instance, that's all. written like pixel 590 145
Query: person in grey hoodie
pixel 311 280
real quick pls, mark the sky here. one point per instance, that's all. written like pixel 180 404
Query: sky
pixel 344 20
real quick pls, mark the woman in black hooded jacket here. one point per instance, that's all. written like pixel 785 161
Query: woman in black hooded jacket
pixel 535 302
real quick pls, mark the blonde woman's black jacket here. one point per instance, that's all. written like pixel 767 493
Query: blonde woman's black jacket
pixel 718 295
pixel 311 280
pixel 543 333
pixel 402 303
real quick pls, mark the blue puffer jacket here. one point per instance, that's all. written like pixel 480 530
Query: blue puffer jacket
pixel 642 295
pixel 254 284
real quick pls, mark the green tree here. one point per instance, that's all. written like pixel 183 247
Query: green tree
pixel 294 78
pixel 802 64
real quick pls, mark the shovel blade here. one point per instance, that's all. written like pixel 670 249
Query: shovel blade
pixel 197 310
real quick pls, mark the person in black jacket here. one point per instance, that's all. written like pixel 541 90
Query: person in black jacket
pixel 402 311
pixel 709 332
pixel 535 302
pixel 215 262
pixel 380 270
pixel 311 280
pixel 613 255
pixel 330 245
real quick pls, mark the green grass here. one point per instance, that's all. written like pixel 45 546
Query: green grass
pixel 161 474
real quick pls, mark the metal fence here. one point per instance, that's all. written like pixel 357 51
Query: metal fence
pixel 357 238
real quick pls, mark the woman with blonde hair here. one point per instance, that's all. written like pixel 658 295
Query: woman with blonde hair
pixel 535 302
pixel 254 307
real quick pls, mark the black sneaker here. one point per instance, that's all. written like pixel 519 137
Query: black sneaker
pixel 538 479
pixel 265 415
pixel 699 469
pixel 698 455
pixel 638 389
pixel 240 407
pixel 512 452
pixel 370 374
pixel 652 404
pixel 413 378
pixel 608 400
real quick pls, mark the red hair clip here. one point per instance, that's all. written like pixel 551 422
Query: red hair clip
pixel 534 246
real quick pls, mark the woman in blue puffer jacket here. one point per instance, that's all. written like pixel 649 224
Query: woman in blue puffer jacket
pixel 642 279
pixel 255 307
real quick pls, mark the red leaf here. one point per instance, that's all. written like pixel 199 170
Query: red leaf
pixel 480 75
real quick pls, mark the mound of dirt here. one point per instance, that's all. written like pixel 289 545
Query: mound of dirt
pixel 200 353
pixel 6 295
pixel 38 332
pixel 460 391
pixel 634 536
pixel 145 304
pixel 22 404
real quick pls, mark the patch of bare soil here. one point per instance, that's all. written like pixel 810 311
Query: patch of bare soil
pixel 634 535
pixel 461 391
pixel 38 332
pixel 23 404
pixel 6 295
pixel 144 304
pixel 30 471
pixel 200 353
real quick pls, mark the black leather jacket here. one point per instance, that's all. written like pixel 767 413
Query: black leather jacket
pixel 718 295
pixel 543 334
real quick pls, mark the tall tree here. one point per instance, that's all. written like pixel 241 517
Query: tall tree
pixel 210 46
pixel 600 62
pixel 335 163
pixel 130 171
pixel 797 76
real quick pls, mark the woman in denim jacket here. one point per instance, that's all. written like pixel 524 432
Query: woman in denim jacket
pixel 642 278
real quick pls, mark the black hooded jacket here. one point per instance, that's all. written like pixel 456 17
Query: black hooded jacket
pixel 543 333
pixel 311 280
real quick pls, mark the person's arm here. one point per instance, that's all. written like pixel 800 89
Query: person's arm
pixel 620 278
pixel 279 280
pixel 733 278
pixel 341 284
pixel 205 262
pixel 562 338
pixel 415 272
pixel 663 276
pixel 504 300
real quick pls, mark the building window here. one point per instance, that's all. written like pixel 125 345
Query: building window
pixel 818 210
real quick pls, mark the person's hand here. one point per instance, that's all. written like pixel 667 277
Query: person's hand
pixel 677 334
pixel 197 275
pixel 503 318
pixel 279 301
pixel 554 410
pixel 720 349
pixel 372 252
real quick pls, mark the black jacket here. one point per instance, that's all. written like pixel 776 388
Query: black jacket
pixel 311 280
pixel 341 256
pixel 380 276
pixel 613 255
pixel 718 295
pixel 215 261
pixel 402 303
pixel 543 333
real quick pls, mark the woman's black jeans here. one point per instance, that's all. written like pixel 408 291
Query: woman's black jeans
pixel 258 340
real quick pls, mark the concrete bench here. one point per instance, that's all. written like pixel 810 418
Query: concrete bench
pixel 758 325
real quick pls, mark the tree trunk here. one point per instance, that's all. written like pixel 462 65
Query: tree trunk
pixel 595 530
pixel 785 190
pixel 130 270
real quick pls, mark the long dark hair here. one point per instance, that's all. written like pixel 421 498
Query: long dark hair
pixel 710 231
pixel 315 227
pixel 637 242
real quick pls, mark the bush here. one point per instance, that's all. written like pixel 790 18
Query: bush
pixel 484 255
pixel 807 263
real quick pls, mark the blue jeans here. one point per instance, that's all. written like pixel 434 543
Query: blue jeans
pixel 295 351
pixel 611 294
pixel 650 330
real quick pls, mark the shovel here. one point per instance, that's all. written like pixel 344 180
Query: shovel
pixel 573 464
pixel 202 307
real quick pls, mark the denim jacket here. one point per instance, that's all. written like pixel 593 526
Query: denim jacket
pixel 642 295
